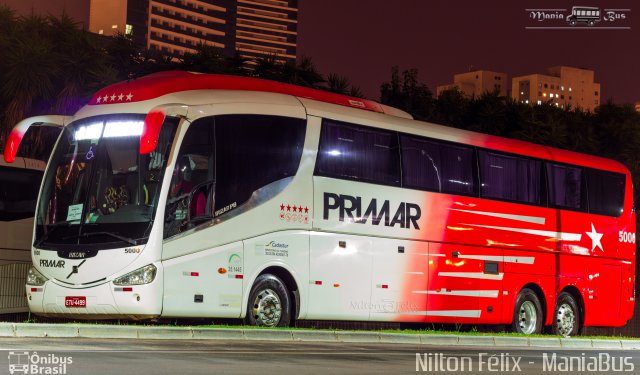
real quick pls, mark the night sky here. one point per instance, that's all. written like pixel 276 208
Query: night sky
pixel 363 39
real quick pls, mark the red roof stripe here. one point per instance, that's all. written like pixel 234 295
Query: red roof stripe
pixel 158 84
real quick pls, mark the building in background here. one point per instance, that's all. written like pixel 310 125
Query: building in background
pixel 562 86
pixel 475 83
pixel 253 28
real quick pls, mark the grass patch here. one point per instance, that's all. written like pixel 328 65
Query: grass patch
pixel 317 326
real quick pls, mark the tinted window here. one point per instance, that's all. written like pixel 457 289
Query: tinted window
pixel 358 153
pixel 421 163
pixel 438 166
pixel 565 186
pixel 252 152
pixel 18 192
pixel 606 192
pixel 457 166
pixel 509 177
pixel 38 141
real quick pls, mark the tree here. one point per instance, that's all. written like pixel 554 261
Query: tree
pixel 408 94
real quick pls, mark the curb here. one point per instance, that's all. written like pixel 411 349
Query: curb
pixel 361 337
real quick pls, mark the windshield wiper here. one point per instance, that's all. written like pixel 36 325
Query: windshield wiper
pixel 53 227
pixel 128 240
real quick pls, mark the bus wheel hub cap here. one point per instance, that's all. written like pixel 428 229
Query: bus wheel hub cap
pixel 267 308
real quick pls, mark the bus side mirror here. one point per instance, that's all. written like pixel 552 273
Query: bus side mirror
pixel 201 202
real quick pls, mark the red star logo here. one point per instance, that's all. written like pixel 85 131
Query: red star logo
pixel 300 208
pixel 282 207
pixel 306 210
pixel 288 208
pixel 295 209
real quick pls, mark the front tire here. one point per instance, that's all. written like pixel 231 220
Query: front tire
pixel 527 314
pixel 269 304
pixel 566 316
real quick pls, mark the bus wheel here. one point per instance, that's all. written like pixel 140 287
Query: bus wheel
pixel 527 315
pixel 269 304
pixel 566 320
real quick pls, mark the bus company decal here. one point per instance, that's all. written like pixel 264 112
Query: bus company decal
pixel 294 213
pixel 273 248
pixel 406 214
pixel 235 265
pixel 52 263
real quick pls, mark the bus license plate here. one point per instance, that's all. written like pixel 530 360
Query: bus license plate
pixel 75 301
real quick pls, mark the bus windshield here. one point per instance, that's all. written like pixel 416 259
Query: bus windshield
pixel 99 190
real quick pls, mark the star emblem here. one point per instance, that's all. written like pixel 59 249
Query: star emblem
pixel 113 97
pixel 120 97
pixel 129 97
pixel 595 238
pixel 99 99
pixel 105 98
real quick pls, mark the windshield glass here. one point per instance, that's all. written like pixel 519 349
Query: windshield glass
pixel 98 189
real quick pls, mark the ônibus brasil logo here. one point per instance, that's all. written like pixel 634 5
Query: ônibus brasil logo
pixel 32 363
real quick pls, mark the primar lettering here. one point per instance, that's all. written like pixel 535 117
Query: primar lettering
pixel 350 207
pixel 52 263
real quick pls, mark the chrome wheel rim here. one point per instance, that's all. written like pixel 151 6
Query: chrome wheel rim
pixel 527 317
pixel 267 308
pixel 565 319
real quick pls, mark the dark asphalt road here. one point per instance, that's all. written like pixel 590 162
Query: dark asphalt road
pixel 157 357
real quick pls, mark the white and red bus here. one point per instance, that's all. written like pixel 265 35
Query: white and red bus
pixel 19 186
pixel 192 195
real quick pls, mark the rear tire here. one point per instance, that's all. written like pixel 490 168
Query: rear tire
pixel 566 316
pixel 269 304
pixel 527 313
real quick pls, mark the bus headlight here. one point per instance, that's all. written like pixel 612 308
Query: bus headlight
pixel 35 278
pixel 143 275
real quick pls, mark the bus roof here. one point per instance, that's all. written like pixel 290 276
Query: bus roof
pixel 159 84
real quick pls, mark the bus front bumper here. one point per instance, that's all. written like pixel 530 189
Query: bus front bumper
pixel 105 301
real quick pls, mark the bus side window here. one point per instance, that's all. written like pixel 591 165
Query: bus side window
pixel 359 153
pixel 421 167
pixel 254 151
pixel 458 169
pixel 606 192
pixel 566 187
pixel 510 177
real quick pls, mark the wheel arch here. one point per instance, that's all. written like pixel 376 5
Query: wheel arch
pixel 286 276
pixel 540 294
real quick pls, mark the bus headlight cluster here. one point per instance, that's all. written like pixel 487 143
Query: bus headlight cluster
pixel 143 275
pixel 35 278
